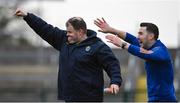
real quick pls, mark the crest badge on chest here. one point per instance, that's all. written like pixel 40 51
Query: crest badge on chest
pixel 88 48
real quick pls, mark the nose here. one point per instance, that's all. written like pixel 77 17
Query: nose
pixel 68 34
pixel 138 36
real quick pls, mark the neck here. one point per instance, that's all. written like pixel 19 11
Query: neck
pixel 151 43
pixel 83 38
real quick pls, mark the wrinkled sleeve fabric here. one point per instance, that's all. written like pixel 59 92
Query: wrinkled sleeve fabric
pixel 131 39
pixel 53 35
pixel 110 64
pixel 158 53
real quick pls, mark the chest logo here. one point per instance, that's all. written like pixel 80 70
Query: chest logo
pixel 88 48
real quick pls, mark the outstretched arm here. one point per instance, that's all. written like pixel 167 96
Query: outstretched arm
pixel 53 35
pixel 106 28
pixel 156 54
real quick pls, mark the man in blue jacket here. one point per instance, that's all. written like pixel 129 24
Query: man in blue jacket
pixel 83 56
pixel 158 62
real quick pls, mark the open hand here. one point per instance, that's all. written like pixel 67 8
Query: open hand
pixel 114 40
pixel 102 24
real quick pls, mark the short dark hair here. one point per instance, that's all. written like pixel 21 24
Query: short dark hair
pixel 152 28
pixel 77 23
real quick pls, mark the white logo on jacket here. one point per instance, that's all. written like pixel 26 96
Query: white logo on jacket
pixel 88 48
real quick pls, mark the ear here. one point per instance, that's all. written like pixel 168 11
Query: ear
pixel 81 31
pixel 151 36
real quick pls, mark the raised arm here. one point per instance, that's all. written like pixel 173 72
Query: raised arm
pixel 156 54
pixel 106 28
pixel 53 35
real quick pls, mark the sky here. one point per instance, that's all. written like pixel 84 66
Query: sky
pixel 125 15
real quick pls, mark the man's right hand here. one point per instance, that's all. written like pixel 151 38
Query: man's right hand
pixel 105 28
pixel 20 13
pixel 103 25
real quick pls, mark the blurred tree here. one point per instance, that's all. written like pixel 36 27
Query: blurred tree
pixel 7 39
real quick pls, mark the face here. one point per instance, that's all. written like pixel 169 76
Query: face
pixel 73 35
pixel 144 37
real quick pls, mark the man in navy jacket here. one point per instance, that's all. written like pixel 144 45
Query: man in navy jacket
pixel 158 62
pixel 83 56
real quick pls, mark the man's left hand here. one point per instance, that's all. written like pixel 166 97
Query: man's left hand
pixel 114 89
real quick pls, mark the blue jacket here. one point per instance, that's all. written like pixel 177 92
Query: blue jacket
pixel 158 67
pixel 80 76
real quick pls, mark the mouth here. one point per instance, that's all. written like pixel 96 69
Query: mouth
pixel 140 42
pixel 69 37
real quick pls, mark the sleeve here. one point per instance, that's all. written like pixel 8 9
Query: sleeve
pixel 53 35
pixel 157 53
pixel 110 64
pixel 131 39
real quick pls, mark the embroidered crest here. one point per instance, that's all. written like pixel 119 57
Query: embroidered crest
pixel 88 48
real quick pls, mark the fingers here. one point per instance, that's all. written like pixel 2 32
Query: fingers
pixel 97 23
pixel 17 11
pixel 107 90
pixel 103 20
pixel 109 37
pixel 114 40
pixel 101 31
pixel 110 41
pixel 20 13
pixel 100 21
pixel 113 89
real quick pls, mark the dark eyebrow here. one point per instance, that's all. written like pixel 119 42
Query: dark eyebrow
pixel 68 31
pixel 140 32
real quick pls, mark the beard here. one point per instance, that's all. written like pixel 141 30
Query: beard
pixel 145 45
pixel 72 40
